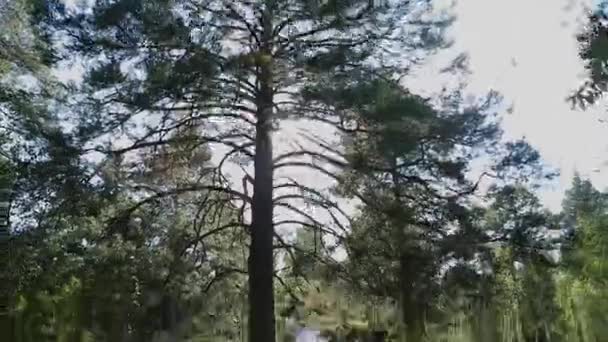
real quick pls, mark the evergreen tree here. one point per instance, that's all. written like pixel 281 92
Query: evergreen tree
pixel 594 52
pixel 581 199
pixel 125 230
pixel 580 284
pixel 408 162
pixel 249 64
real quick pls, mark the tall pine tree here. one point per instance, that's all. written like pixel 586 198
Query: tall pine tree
pixel 157 66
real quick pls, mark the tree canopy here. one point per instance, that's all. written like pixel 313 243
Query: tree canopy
pixel 150 200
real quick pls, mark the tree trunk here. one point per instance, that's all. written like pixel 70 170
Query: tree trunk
pixel 378 336
pixel 414 326
pixel 484 319
pixel 411 309
pixel 261 263
pixel 169 319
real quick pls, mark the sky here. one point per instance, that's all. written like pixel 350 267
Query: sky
pixel 527 51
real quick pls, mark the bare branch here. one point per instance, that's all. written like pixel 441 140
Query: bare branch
pixel 255 32
pixel 221 274
pixel 237 149
pixel 220 229
pixel 220 139
pixel 307 216
pixel 306 153
pixel 191 188
pixel 308 165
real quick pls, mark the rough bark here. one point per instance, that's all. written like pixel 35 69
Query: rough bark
pixel 261 263
pixel 411 308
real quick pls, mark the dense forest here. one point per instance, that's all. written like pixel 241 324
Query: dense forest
pixel 149 192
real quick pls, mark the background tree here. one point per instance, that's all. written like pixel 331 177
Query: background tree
pixel 593 40
pixel 581 199
pixel 407 164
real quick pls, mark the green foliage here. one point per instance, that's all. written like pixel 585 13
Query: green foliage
pixel 594 52
pixel 580 200
pixel 128 230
